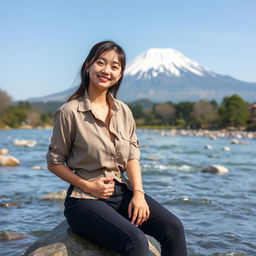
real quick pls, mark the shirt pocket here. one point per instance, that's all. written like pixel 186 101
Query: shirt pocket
pixel 124 146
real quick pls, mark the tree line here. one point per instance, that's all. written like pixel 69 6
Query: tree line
pixel 19 114
pixel 232 111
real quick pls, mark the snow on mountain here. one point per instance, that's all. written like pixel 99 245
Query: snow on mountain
pixel 168 61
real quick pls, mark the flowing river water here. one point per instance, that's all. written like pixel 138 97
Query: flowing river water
pixel 218 211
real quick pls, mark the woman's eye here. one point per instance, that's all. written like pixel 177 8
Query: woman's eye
pixel 100 63
pixel 115 68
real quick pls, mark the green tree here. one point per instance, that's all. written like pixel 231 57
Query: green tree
pixel 233 111
pixel 14 116
pixel 183 111
pixel 24 105
pixel 137 111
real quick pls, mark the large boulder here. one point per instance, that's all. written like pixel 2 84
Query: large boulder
pixel 61 241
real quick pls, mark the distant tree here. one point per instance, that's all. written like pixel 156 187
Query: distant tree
pixel 137 111
pixel 233 111
pixel 150 119
pixel 166 112
pixel 47 118
pixel 5 100
pixel 24 105
pixel 14 116
pixel 204 114
pixel 183 111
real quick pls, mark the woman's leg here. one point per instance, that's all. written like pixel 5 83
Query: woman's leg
pixel 165 227
pixel 100 223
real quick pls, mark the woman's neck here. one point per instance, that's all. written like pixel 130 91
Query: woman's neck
pixel 97 97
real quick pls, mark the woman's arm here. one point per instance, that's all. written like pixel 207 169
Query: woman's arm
pixel 138 204
pixel 134 175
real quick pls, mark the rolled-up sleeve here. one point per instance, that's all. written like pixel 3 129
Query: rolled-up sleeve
pixel 134 151
pixel 61 140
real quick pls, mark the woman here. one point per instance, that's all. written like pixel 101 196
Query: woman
pixel 93 144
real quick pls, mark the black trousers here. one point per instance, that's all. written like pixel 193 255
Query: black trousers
pixel 105 222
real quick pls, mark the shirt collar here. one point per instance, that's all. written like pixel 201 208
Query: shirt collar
pixel 84 103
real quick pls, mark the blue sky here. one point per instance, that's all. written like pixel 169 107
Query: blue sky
pixel 43 43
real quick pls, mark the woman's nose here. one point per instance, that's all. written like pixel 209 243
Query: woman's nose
pixel 105 69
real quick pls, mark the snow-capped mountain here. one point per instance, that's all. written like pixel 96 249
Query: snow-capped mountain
pixel 167 75
pixel 167 61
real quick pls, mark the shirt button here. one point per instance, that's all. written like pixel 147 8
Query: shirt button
pixel 112 158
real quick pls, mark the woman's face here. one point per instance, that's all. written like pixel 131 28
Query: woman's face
pixel 105 71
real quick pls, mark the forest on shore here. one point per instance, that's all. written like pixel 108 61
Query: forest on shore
pixel 232 111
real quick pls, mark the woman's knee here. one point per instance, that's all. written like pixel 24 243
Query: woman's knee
pixel 138 242
pixel 173 227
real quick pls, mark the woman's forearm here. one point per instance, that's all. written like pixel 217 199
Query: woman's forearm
pixel 134 174
pixel 67 175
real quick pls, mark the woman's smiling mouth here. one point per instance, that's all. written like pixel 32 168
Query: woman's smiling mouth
pixel 103 79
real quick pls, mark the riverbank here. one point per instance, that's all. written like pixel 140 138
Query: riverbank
pixel 209 133
pixel 230 132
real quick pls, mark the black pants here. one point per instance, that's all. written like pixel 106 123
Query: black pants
pixel 105 222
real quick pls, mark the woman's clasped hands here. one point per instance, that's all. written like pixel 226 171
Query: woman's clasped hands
pixel 102 187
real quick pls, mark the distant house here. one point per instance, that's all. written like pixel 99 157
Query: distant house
pixel 252 112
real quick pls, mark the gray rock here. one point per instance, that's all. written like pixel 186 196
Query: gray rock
pixel 61 241
pixel 10 235
pixel 5 205
pixel 59 195
pixel 216 169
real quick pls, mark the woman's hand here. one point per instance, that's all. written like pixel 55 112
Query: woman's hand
pixel 138 209
pixel 102 187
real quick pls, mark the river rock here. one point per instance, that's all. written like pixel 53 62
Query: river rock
pixel 25 143
pixel 38 167
pixel 226 148
pixel 61 241
pixel 152 158
pixel 234 141
pixel 59 195
pixel 9 161
pixel 5 205
pixel 10 235
pixel 216 169
pixel 208 146
pixel 4 151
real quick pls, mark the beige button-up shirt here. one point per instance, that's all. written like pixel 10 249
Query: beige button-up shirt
pixel 82 141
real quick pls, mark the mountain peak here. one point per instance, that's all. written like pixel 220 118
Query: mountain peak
pixel 164 60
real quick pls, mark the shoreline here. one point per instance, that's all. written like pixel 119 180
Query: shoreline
pixel 230 132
